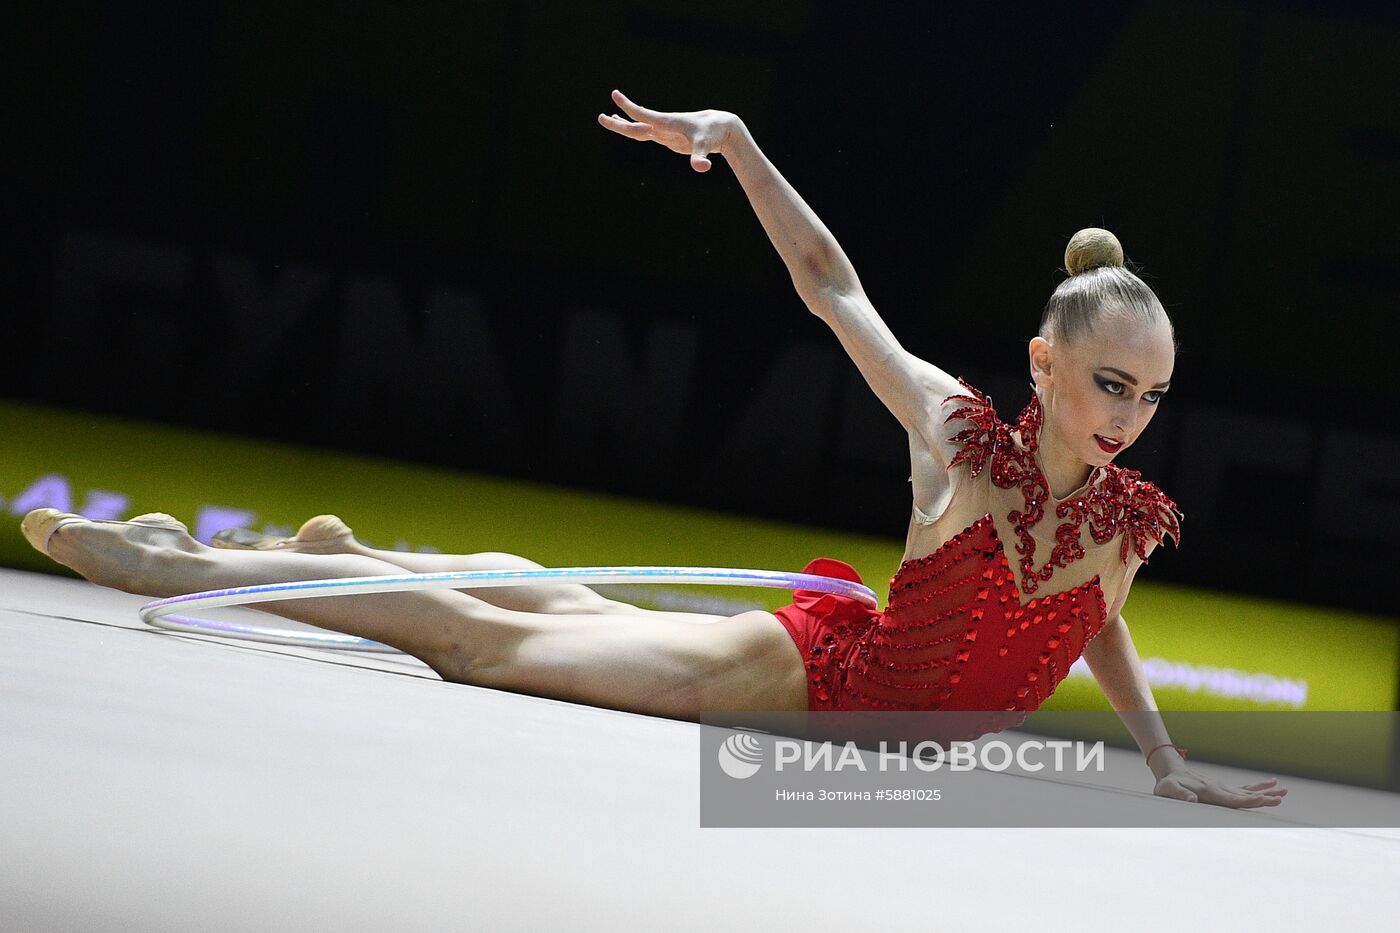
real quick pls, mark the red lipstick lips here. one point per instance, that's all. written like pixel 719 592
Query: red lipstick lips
pixel 1108 446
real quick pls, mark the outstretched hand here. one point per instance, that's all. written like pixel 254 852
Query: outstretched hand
pixel 696 134
pixel 1185 784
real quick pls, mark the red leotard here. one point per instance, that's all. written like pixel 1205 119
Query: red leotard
pixel 955 634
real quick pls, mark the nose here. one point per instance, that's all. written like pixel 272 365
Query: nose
pixel 1125 419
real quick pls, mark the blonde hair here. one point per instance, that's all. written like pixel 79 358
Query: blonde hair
pixel 1099 285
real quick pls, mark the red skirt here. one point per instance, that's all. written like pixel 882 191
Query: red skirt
pixel 827 629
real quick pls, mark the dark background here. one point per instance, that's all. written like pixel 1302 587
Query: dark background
pixel 396 228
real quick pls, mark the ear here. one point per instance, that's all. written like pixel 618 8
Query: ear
pixel 1042 354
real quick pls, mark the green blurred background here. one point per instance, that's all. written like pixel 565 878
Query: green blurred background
pixel 265 260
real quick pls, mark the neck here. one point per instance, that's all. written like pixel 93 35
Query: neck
pixel 1064 472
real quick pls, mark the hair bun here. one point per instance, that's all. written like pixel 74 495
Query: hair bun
pixel 1090 248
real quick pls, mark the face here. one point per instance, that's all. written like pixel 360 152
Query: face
pixel 1100 391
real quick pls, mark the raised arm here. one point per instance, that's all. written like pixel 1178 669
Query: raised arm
pixel 909 387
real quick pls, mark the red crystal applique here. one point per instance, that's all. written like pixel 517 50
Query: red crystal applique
pixel 955 635
pixel 1117 499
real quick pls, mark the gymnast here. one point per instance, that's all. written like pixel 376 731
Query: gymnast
pixel 1023 541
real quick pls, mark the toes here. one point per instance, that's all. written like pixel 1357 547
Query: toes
pixel 244 539
pixel 323 528
pixel 318 532
pixel 40 524
pixel 160 518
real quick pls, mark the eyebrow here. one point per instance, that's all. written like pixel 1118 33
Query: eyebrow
pixel 1128 377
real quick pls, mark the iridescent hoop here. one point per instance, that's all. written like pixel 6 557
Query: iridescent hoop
pixel 161 613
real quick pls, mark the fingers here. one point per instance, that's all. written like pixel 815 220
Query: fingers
pixel 1250 803
pixel 701 147
pixel 635 111
pixel 624 128
pixel 1271 792
pixel 1241 801
pixel 1248 796
pixel 678 136
pixel 1262 793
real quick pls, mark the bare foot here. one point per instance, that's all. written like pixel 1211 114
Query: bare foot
pixel 134 558
pixel 322 534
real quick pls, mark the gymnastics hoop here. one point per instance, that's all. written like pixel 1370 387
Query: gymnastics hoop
pixel 161 613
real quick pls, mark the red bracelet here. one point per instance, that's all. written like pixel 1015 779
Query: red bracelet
pixel 1181 751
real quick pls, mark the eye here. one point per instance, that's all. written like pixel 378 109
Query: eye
pixel 1111 387
pixel 1117 388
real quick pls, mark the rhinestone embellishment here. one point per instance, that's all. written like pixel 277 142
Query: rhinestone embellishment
pixel 1117 499
pixel 954 635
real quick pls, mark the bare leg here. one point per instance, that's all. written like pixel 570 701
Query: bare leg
pixel 559 598
pixel 327 534
pixel 554 599
pixel 656 666
pixel 167 562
